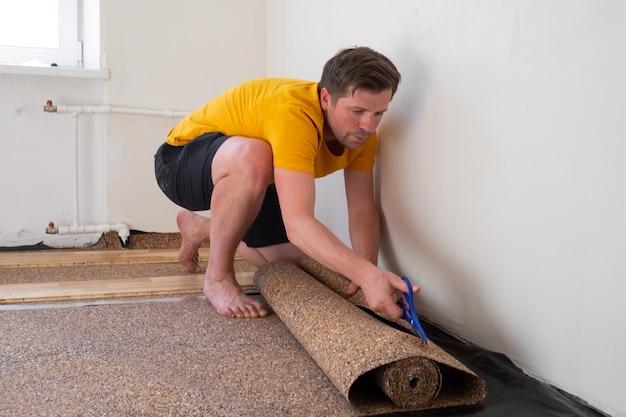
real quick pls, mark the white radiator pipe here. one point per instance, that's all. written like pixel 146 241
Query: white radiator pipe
pixel 120 228
pixel 75 111
pixel 106 109
pixel 76 204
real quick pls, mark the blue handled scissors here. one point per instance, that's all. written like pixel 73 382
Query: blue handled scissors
pixel 408 311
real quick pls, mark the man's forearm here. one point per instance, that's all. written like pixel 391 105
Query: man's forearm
pixel 315 240
pixel 365 233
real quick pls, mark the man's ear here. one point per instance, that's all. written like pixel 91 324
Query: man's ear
pixel 324 98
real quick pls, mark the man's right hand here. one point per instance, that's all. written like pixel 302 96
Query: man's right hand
pixel 296 193
pixel 380 292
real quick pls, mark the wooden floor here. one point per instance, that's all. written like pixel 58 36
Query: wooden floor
pixel 33 259
pixel 103 288
pixel 109 288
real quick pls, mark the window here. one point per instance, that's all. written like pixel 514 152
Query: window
pixel 47 32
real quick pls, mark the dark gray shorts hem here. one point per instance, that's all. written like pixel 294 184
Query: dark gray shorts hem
pixel 183 173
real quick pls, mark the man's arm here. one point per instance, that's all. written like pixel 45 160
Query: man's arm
pixel 363 218
pixel 296 193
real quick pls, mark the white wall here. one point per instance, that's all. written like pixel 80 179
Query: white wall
pixel 163 55
pixel 500 171
pixel 37 157
pixel 177 56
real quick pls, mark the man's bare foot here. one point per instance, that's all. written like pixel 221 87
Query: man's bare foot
pixel 194 231
pixel 229 300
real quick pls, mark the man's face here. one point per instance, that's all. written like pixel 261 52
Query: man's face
pixel 354 117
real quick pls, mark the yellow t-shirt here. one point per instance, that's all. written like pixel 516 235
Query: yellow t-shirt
pixel 284 112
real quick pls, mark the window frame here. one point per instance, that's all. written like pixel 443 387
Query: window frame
pixel 68 54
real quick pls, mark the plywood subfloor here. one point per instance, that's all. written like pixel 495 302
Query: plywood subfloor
pixel 110 288
pixel 58 275
pixel 53 258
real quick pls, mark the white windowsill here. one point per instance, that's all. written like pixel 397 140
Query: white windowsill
pixel 101 74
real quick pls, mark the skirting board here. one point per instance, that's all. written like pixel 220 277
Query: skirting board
pixel 111 288
pixel 38 259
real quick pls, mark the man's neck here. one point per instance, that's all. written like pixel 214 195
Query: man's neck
pixel 332 144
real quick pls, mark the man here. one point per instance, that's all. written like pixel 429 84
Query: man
pixel 251 155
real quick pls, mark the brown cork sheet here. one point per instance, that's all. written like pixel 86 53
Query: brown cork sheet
pixel 361 354
pixel 156 359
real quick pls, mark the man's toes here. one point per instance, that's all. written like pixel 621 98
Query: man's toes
pixel 227 312
pixel 252 311
pixel 259 308
pixel 238 312
pixel 247 312
pixel 261 311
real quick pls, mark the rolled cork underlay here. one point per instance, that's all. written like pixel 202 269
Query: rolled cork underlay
pixel 377 364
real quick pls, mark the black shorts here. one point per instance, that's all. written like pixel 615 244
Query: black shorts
pixel 184 175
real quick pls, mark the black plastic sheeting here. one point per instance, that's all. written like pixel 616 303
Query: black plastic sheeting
pixel 510 392
pixel 36 246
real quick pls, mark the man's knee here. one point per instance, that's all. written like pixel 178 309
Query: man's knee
pixel 256 157
pixel 245 157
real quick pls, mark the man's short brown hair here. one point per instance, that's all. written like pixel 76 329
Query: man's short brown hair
pixel 359 67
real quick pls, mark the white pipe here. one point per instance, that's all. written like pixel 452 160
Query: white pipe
pixel 106 109
pixel 75 110
pixel 76 200
pixel 120 228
